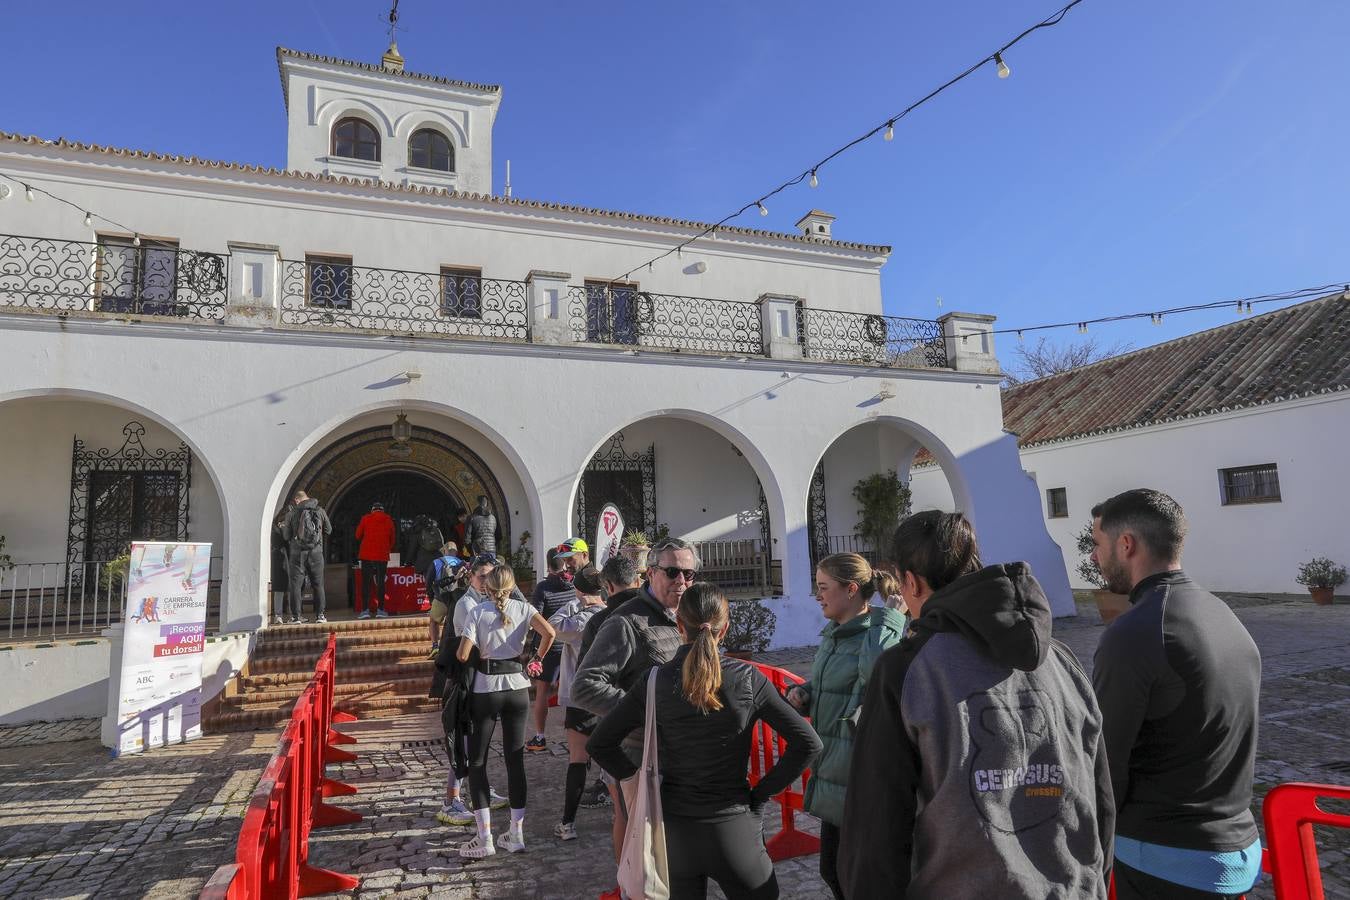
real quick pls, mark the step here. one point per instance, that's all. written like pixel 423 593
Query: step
pixel 314 646
pixel 346 658
pixel 403 668
pixel 358 626
pixel 343 691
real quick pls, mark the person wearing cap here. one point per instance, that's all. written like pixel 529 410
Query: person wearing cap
pixel 446 573
pixel 550 595
pixel 577 553
pixel 376 532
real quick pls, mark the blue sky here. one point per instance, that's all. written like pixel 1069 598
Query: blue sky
pixel 1143 154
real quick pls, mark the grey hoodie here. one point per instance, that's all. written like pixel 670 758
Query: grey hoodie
pixel 979 768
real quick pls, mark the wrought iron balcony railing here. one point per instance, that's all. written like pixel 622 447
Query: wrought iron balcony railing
pixel 876 340
pixel 158 278
pixel 149 278
pixel 335 294
pixel 622 315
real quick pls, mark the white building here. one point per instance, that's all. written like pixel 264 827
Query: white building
pixel 229 333
pixel 1245 425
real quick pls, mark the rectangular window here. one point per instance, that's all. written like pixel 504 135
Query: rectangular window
pixel 611 312
pixel 462 293
pixel 135 279
pixel 127 506
pixel 1250 484
pixel 1057 503
pixel 328 281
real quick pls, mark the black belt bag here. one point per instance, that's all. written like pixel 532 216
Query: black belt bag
pixel 501 666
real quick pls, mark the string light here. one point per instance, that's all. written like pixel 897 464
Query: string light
pixel 136 241
pixel 1246 304
pixel 885 128
pixel 1020 338
pixel 28 193
pixel 88 219
pixel 815 182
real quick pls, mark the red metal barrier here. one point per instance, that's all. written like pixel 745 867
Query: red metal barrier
pixel 271 859
pixel 765 749
pixel 1290 811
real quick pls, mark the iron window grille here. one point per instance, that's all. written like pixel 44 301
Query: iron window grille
pixel 132 279
pixel 429 149
pixel 462 293
pixel 611 312
pixel 356 139
pixel 1250 484
pixel 328 281
pixel 1057 502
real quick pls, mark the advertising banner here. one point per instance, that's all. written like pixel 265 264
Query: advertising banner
pixel 608 534
pixel 164 632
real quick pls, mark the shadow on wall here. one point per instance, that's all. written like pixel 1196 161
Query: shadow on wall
pixel 54 682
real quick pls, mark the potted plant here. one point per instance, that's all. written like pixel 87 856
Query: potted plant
pixel 635 546
pixel 521 561
pixel 883 500
pixel 1109 605
pixel 751 628
pixel 1321 576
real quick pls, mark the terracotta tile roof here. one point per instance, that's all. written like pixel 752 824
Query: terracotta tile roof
pixel 1299 351
pixel 391 187
pixel 283 52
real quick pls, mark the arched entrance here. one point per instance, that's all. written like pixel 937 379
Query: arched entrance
pixel 429 474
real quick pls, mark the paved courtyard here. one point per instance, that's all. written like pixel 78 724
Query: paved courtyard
pixel 75 823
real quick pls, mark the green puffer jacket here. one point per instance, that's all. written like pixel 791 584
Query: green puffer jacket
pixel 838 680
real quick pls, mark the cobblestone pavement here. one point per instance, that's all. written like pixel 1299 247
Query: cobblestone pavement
pixel 75 823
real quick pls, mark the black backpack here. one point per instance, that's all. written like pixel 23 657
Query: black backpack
pixel 309 528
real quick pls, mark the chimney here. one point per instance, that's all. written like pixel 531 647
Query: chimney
pixel 816 225
pixel 392 60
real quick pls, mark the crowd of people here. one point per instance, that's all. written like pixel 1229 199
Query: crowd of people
pixel 956 748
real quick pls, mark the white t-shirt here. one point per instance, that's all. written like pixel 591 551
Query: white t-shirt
pixel 466 602
pixel 495 640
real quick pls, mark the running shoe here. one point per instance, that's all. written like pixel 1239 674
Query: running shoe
pixel 381 614
pixel 475 848
pixel 320 619
pixel 511 840
pixel 435 651
pixel 365 614
pixel 595 796
pixel 455 813
pixel 299 620
pixel 565 831
pixel 536 743
pixel 278 620
pixel 496 800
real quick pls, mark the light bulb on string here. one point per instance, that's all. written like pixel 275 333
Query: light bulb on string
pixel 1082 328
pixel 136 241
pixel 1020 338
pixel 815 182
pixel 1249 306
pixel 890 131
pixel 1239 307
pixel 1003 70
pixel 88 219
pixel 28 193
pixel 763 210
pixel 1157 318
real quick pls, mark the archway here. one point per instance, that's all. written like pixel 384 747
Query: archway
pixel 406 496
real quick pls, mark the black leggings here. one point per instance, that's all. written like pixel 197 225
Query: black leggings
pixel 1132 884
pixel 727 849
pixel 511 708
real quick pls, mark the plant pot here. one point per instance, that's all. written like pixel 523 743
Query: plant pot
pixel 1322 596
pixel 1110 605
pixel 638 554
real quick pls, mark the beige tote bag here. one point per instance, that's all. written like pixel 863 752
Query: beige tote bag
pixel 643 870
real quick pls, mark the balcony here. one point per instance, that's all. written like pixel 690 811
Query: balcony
pixel 155 279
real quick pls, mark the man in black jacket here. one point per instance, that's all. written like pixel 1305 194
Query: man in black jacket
pixel 1178 679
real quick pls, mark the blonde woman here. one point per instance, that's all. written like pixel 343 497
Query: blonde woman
pixel 497 630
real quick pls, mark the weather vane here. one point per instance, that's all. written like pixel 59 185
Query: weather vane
pixel 393 20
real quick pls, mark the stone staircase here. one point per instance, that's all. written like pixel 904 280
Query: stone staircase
pixel 382 670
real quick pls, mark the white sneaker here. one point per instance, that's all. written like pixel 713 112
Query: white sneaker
pixel 565 831
pixel 320 619
pixel 455 813
pixel 511 841
pixel 496 800
pixel 474 848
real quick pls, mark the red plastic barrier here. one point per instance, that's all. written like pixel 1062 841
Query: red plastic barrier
pixel 1290 811
pixel 765 749
pixel 271 859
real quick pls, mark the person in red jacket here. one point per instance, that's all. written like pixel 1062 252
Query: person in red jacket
pixel 376 532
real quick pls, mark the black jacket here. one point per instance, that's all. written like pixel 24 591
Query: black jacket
pixel 703 757
pixel 593 624
pixel 1178 678
pixel 979 769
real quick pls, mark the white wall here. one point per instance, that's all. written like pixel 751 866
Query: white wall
pixel 51 682
pixel 1252 547
pixel 36 438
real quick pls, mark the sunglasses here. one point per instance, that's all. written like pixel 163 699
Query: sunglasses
pixel 673 572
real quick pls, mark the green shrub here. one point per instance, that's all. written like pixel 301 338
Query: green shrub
pixel 1321 572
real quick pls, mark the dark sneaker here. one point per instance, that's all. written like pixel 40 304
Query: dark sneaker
pixel 320 619
pixel 597 795
pixel 536 744
pixel 365 614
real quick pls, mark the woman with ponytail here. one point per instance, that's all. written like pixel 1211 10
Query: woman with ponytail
pixel 707 706
pixel 497 628
pixel 855 637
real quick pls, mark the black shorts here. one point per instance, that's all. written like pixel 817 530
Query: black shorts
pixel 580 720
pixel 551 664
